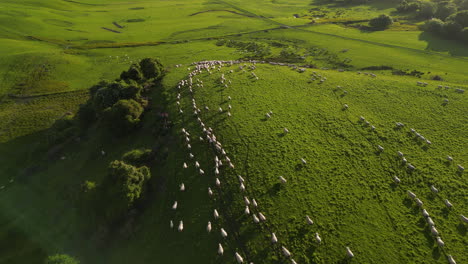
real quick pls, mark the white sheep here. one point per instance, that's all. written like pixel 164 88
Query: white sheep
pixel 197 165
pixel 255 218
pixel 220 249
pixel 318 238
pixel 282 179
pixel 215 214
pixel 182 187
pixel 286 130
pixel 309 220
pixel 425 213
pixel 181 226
pixel 247 210
pixel 208 227
pixel 430 222
pixel 202 172
pixel 440 242
pixel 171 224
pixel 418 202
pixel 241 180
pixel 274 239
pixel 223 233
pixel 174 206
pixel 246 200
pixel 210 192
pixel 434 231
pixel 262 217
pixel 434 189
pixel 218 182
pixel 396 179
pixel 349 252
pixel 450 259
pixel 293 261
pixel 303 161
pixel 411 195
pixel 185 165
pixel 286 252
pixel 242 187
pixel 448 203
pixel 239 258
pixel 254 203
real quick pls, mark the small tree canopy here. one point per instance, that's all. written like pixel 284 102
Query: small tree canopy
pixel 434 25
pixel 128 181
pixel 138 156
pixel 381 22
pixel 61 259
pixel 124 115
pixel 445 9
pixel 151 68
pixel 460 18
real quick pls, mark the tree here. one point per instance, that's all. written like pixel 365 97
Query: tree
pixel 138 156
pixel 133 73
pixel 61 259
pixel 452 29
pixel 151 68
pixel 123 116
pixel 427 9
pixel 445 9
pixel 381 22
pixel 86 115
pixel 128 181
pixel 434 25
pixel 460 18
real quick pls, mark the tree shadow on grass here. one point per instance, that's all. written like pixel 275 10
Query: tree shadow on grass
pixel 439 44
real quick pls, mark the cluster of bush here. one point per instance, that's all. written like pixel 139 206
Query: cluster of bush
pixel 454 27
pixel 122 189
pixel 448 19
pixel 119 104
pixel 381 22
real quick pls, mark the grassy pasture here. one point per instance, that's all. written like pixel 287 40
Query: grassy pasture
pixel 345 179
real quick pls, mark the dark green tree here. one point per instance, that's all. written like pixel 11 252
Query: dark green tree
pixel 133 73
pixel 464 35
pixel 138 156
pixel 123 116
pixel 381 22
pixel 427 9
pixel 434 25
pixel 452 29
pixel 445 9
pixel 460 18
pixel 151 68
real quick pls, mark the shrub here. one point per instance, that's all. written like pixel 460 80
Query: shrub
pixel 452 29
pixel 123 116
pixel 61 259
pixel 445 9
pixel 381 22
pixel 127 181
pixel 133 73
pixel 151 68
pixel 427 9
pixel 460 18
pixel 434 25
pixel 138 156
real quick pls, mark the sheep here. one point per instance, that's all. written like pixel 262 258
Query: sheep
pixel 318 238
pixel 418 202
pixel 255 218
pixel 220 249
pixel 434 231
pixel 215 214
pixel 349 252
pixel 449 158
pixel 380 148
pixel 220 109
pixel 229 114
pixel 400 153
pixel 216 170
pixel 425 213
pixel 440 242
pixel 189 146
pixel 345 106
pixel 267 115
pixel 430 222
pixel 434 189
pixel 247 210
pixel 262 217
pixel 246 200
pixel 210 192
pixel 450 259
pixel 254 203
pixel 182 187
pixel 181 226
pixel 448 204
pixel 229 107
pixel 460 167
pixel 241 180
pixel 242 187
pixel 309 220
pixel 239 258
pixel 464 218
pixel 411 167
pixel 274 239
pixel 396 179
pixel 223 233
pixel 171 224
pixel 303 161
pixel 282 179
pixel 286 252
pixel 174 206
pixel 293 261
pixel 185 165
pixel 208 227
pixel 190 154
pixel 411 195
pixel 202 172
pixel 373 127
pixel 362 118
pixel 285 130
pixel 229 97
pixel 218 182
pixel 403 160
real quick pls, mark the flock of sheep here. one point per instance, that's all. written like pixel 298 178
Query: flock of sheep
pixel 222 160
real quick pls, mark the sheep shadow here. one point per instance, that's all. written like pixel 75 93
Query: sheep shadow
pixel 445 212
pixel 275 189
pixel 436 254
pixel 299 167
pixel 345 260
pixel 263 119
pixel 408 203
pixel 461 228
pixel 281 134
